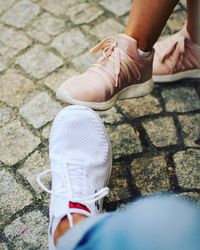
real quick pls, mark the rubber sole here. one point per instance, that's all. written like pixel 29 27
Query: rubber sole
pixel 133 91
pixel 194 73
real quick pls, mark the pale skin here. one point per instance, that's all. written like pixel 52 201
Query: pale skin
pixel 146 21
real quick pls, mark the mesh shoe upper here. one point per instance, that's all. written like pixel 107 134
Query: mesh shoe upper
pixel 80 156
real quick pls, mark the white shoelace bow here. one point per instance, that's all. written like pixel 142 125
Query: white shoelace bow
pixel 67 185
pixel 110 46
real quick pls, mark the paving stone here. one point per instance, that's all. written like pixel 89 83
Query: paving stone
pixel 165 33
pixel 11 42
pixel 46 201
pixel 34 164
pixel 2 65
pixel 121 207
pixel 14 39
pixel 40 110
pixel 3 49
pixel 16 143
pixel 54 80
pixel 124 140
pixel 15 89
pixel 46 27
pixel 13 196
pixel 28 232
pixel 46 131
pixel 191 128
pixel 161 131
pixel 181 99
pixel 38 61
pixel 194 198
pixel 5 115
pixel 21 13
pixel 86 28
pixel 106 28
pixel 83 13
pixel 5 5
pixel 177 8
pixel 150 174
pixel 70 43
pixel 3 246
pixel 58 7
pixel 84 61
pixel 125 20
pixel 176 21
pixel 183 2
pixel 118 8
pixel 188 168
pixel 111 116
pixel 141 106
pixel 118 184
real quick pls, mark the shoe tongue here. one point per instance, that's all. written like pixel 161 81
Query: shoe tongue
pixel 184 32
pixel 76 176
pixel 127 42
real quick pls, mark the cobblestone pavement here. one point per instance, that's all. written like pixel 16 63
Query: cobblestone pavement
pixel 156 139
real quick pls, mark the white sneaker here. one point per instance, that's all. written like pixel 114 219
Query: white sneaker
pixel 81 162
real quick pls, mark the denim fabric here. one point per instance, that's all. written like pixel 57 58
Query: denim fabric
pixel 153 223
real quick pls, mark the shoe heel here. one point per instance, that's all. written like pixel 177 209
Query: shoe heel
pixel 137 90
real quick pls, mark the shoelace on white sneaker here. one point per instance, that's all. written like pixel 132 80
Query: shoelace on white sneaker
pixel 110 46
pixel 67 184
pixel 176 48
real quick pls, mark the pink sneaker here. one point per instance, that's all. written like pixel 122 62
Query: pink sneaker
pixel 119 74
pixel 176 57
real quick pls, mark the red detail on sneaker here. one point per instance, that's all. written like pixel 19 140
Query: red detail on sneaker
pixel 79 206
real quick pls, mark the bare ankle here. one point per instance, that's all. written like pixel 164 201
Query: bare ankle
pixel 194 35
pixel 63 226
pixel 142 44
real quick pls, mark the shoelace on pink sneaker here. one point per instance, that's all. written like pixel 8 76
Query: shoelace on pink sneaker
pixel 111 46
pixel 172 55
pixel 68 189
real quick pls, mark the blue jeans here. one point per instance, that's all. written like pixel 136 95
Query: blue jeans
pixel 153 223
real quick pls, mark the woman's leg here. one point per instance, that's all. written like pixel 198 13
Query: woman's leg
pixel 147 20
pixel 193 25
